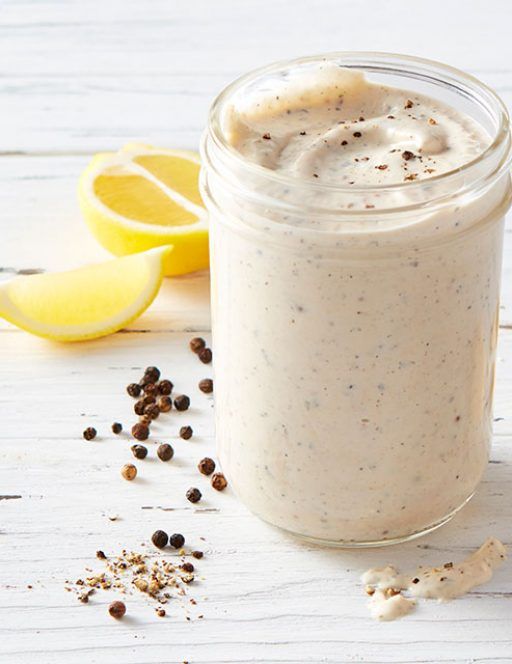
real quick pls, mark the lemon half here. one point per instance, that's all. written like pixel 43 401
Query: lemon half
pixel 85 303
pixel 142 197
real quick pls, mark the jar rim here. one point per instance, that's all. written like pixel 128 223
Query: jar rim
pixel 379 62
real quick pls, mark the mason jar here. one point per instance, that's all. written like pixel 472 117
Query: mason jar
pixel 354 349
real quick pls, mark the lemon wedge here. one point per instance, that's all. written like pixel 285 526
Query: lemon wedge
pixel 142 197
pixel 85 303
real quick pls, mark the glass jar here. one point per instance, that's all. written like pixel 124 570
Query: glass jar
pixel 354 350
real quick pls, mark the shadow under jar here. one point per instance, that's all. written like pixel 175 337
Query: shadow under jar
pixel 355 325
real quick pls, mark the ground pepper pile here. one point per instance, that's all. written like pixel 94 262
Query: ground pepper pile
pixel 159 579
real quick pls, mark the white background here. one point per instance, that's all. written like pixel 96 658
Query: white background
pixel 80 76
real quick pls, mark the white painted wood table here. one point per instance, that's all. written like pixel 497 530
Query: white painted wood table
pixel 79 76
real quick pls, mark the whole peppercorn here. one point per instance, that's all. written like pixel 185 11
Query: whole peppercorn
pixel 150 390
pixel 196 344
pixel 165 387
pixel 139 406
pixel 186 432
pixel 206 385
pixel 90 433
pixel 205 355
pixel 182 402
pixel 165 404
pixel 160 613
pixel 152 411
pixel 145 380
pixel 177 540
pixel 194 495
pixel 160 539
pixel 197 554
pixel 153 373
pixel 117 610
pixel 133 389
pixel 219 482
pixel 117 427
pixel 187 567
pixel 165 452
pixel 140 431
pixel 206 466
pixel 129 472
pixel 139 451
pixel 142 403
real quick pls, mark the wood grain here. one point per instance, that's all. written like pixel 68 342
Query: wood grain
pixel 82 76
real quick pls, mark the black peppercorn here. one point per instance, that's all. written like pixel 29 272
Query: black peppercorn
pixel 129 471
pixel 160 539
pixel 152 411
pixel 117 610
pixel 152 373
pixel 182 402
pixel 133 389
pixel 139 406
pixel 142 403
pixel 196 344
pixel 117 427
pixel 186 432
pixel 165 452
pixel 139 451
pixel 206 385
pixel 205 355
pixel 140 431
pixel 150 389
pixel 219 482
pixel 90 433
pixel 206 466
pixel 177 540
pixel 194 495
pixel 187 567
pixel 165 404
pixel 145 380
pixel 165 387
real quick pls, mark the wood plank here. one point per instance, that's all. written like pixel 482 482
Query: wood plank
pixel 76 79
pixel 123 36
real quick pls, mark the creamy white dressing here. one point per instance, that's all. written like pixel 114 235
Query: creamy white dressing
pixel 334 126
pixel 443 583
pixel 354 360
pixel 387 607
